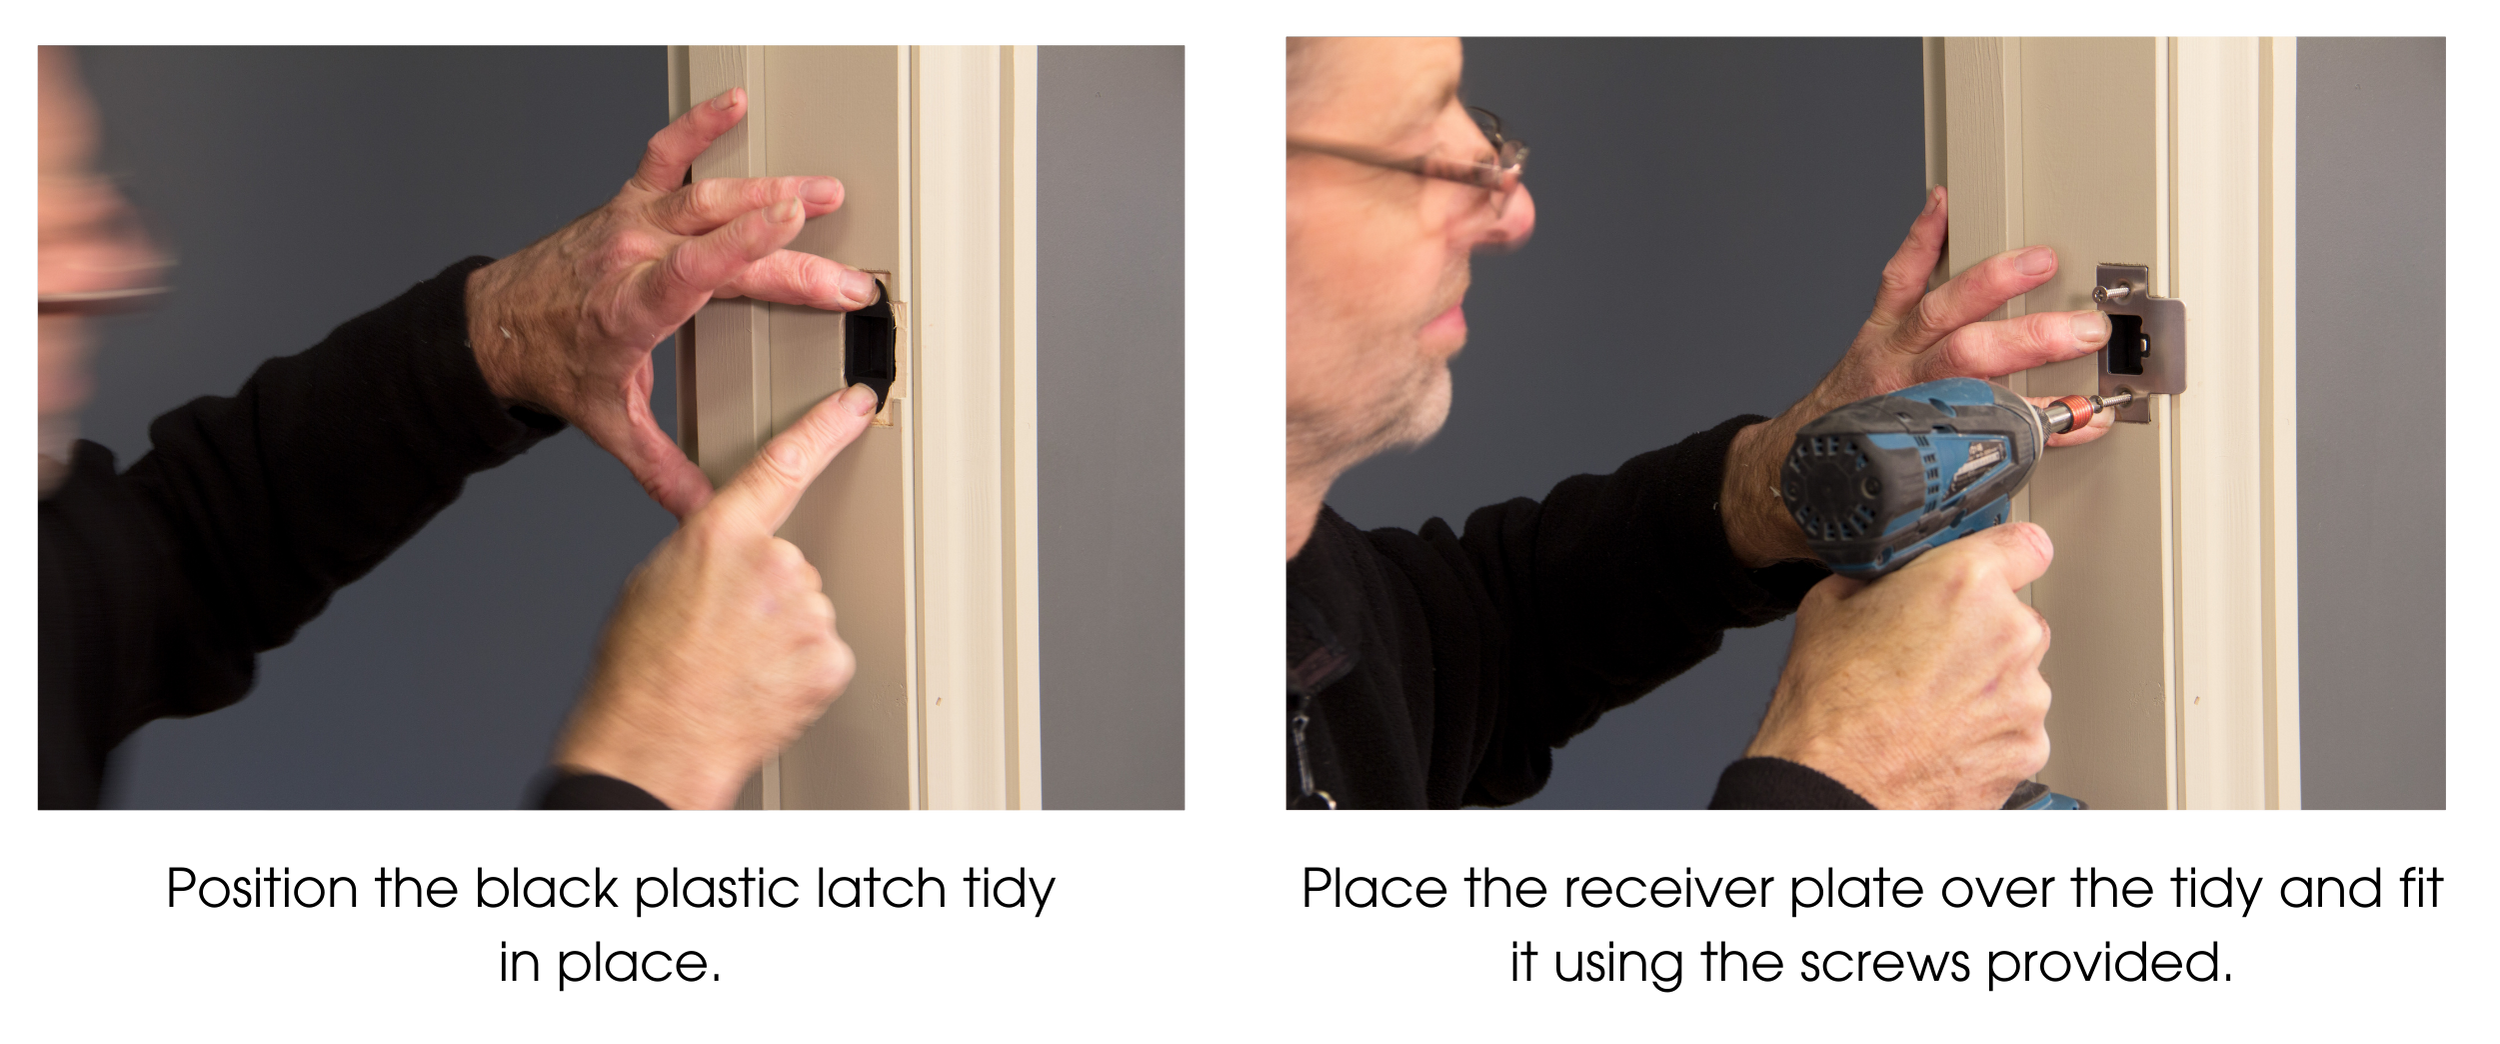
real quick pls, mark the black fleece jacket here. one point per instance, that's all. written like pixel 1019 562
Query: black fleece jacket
pixel 1435 669
pixel 162 584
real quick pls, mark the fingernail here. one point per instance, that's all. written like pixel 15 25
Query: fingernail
pixel 1934 196
pixel 728 100
pixel 2040 539
pixel 786 210
pixel 820 191
pixel 2091 327
pixel 2037 261
pixel 860 399
pixel 859 286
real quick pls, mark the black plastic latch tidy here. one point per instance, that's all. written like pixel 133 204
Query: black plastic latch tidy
pixel 868 346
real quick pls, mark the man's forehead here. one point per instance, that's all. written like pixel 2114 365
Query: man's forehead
pixel 1372 90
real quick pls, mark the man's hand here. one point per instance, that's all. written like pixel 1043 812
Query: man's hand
pixel 1922 691
pixel 1914 335
pixel 723 648
pixel 568 324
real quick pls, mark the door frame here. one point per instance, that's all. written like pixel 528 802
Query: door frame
pixel 2202 130
pixel 926 531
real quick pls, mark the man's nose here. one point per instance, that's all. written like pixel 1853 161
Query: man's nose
pixel 1516 222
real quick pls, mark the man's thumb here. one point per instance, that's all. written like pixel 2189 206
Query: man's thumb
pixel 762 496
pixel 2022 550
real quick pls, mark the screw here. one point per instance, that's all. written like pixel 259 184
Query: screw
pixel 2107 294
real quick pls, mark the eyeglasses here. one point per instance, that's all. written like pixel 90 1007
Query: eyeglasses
pixel 102 240
pixel 1496 176
pixel 95 302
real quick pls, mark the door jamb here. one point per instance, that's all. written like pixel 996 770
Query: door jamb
pixel 2227 235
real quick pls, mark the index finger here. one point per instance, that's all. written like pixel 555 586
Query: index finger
pixel 761 498
pixel 673 150
pixel 1905 276
pixel 1969 296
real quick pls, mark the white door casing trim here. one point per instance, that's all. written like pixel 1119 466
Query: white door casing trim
pixel 974 230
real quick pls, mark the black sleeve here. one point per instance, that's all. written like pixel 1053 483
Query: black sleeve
pixel 1773 783
pixel 576 791
pixel 325 462
pixel 1573 606
pixel 248 512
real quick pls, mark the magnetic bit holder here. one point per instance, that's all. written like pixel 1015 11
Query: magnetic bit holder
pixel 2147 352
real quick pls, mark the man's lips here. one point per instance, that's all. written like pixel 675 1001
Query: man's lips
pixel 1452 322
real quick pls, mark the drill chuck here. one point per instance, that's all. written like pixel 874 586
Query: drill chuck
pixel 2070 412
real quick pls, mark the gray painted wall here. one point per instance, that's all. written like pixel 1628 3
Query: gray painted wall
pixel 301 186
pixel 1712 216
pixel 2373 343
pixel 1109 385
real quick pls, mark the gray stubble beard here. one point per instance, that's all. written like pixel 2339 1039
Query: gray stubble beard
pixel 1405 419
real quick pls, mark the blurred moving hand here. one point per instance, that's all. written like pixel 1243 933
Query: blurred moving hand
pixel 92 255
pixel 723 648
pixel 568 324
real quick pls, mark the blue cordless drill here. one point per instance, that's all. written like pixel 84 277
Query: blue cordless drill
pixel 1883 480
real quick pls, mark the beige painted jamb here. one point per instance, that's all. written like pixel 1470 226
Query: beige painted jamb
pixel 680 98
pixel 843 112
pixel 1983 138
pixel 733 364
pixel 1984 150
pixel 1931 53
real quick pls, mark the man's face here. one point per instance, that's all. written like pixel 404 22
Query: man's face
pixel 1376 259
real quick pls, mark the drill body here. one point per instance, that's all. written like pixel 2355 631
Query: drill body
pixel 1883 480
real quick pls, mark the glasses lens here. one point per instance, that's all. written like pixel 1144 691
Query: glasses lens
pixel 1490 124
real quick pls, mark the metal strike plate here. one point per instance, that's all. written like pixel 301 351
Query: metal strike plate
pixel 2147 351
